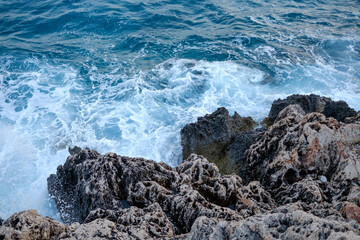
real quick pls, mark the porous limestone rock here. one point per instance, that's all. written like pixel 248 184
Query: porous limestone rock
pixel 130 224
pixel 98 229
pixel 88 181
pixel 91 186
pixel 310 147
pixel 29 225
pixel 294 225
pixel 139 223
pixel 299 179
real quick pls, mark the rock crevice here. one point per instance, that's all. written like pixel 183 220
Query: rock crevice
pixel 297 179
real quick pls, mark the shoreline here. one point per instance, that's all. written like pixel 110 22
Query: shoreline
pixel 296 177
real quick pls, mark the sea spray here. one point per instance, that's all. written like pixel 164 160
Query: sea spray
pixel 126 77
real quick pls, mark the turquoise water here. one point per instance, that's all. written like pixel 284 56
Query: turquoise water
pixel 126 76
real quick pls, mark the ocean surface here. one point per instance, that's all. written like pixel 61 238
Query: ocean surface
pixel 126 76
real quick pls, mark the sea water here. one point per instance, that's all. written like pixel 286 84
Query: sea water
pixel 126 76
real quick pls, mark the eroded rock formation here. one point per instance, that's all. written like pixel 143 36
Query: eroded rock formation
pixel 301 176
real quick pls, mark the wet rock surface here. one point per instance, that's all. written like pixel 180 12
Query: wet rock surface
pixel 298 179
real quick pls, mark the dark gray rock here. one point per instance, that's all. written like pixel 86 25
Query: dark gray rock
pixel 355 119
pixel 74 150
pixel 312 103
pixel 309 103
pixel 212 136
pixel 235 154
pixel 338 110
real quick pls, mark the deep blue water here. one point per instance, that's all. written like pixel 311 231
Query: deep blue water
pixel 126 76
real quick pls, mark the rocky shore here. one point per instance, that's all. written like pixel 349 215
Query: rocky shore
pixel 294 176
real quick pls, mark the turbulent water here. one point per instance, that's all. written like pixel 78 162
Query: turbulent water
pixel 126 76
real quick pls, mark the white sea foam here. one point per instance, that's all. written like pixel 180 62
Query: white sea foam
pixel 46 110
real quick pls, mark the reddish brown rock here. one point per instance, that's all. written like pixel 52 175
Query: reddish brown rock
pixel 351 211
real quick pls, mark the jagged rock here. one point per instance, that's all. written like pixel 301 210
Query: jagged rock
pixel 324 210
pixel 132 223
pixel 1 221
pixel 88 181
pixel 308 103
pixel 189 170
pixel 254 199
pixel 91 186
pixel 295 112
pixel 141 223
pixel 339 110
pixel 98 229
pixel 312 103
pixel 312 146
pixel 305 190
pixel 294 225
pixel 213 135
pixel 29 225
pixel 299 179
pixel 74 150
pixel 355 119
